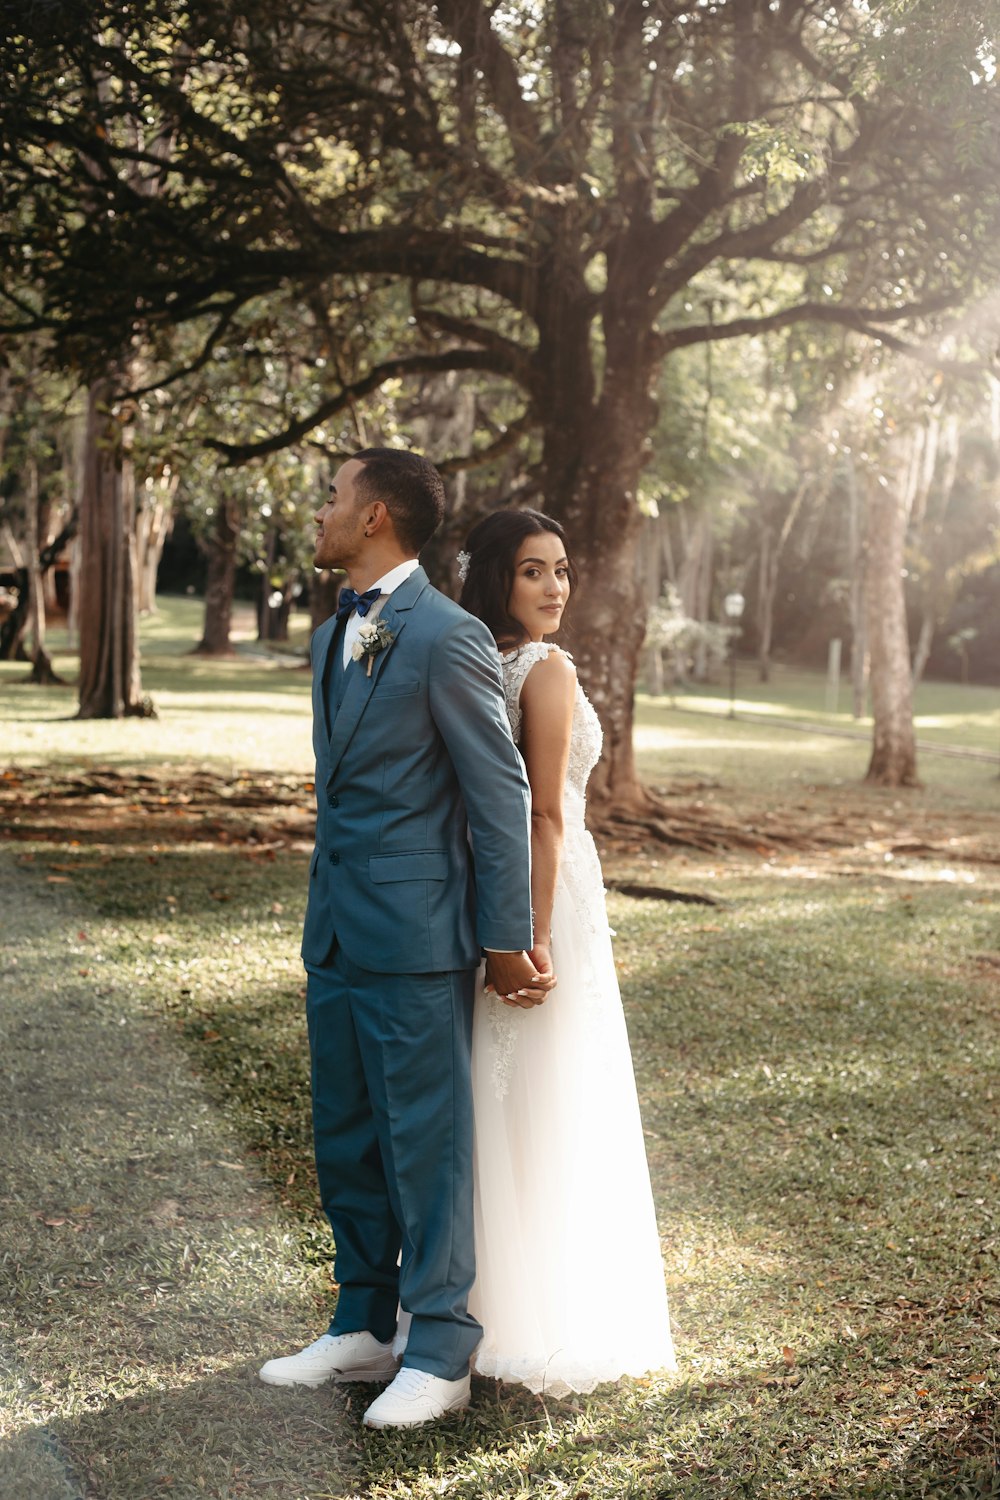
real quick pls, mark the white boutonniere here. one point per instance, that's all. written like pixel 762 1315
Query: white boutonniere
pixel 373 637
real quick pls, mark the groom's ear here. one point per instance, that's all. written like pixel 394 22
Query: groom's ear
pixel 376 517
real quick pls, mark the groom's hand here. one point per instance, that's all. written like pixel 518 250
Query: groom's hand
pixel 517 979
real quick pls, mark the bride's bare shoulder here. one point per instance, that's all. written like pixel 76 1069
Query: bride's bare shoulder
pixel 551 673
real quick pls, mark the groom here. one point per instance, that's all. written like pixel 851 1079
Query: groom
pixel 421 862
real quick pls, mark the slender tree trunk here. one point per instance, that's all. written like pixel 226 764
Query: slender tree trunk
pixel 42 670
pixel 767 584
pixel 771 552
pixel 651 566
pixel 894 752
pixel 110 684
pixel 695 583
pixel 153 525
pixel 281 616
pixel 265 613
pixel 16 623
pixel 925 641
pixel 859 621
pixel 14 626
pixel 221 582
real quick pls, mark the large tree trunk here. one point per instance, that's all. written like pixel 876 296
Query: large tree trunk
pixel 597 504
pixel 894 751
pixel 220 583
pixel 110 684
pixel 608 625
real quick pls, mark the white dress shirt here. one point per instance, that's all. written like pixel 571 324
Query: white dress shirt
pixel 385 585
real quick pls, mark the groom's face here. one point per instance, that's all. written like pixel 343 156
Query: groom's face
pixel 340 522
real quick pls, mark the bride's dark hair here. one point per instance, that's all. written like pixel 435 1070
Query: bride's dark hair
pixel 492 547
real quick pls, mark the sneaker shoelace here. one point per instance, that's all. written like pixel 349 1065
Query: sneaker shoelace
pixel 318 1346
pixel 411 1382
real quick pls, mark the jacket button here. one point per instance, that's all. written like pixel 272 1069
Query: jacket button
pixel 333 800
pixel 334 858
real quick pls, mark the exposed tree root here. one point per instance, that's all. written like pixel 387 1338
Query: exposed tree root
pixel 270 811
pixel 658 893
pixel 646 814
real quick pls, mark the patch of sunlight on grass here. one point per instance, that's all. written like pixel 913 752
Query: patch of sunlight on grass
pixel 673 744
pixel 944 712
pixel 233 714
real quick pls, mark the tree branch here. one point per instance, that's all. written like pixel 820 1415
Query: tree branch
pixel 392 369
pixel 746 243
pixel 508 439
pixel 863 320
pixel 517 359
pixel 469 23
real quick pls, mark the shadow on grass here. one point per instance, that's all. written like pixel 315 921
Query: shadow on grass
pixel 247 1439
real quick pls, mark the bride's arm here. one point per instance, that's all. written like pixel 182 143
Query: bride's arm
pixel 547 699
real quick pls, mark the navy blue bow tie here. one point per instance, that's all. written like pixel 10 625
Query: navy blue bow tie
pixel 361 602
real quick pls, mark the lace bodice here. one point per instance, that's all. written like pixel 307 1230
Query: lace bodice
pixel 585 737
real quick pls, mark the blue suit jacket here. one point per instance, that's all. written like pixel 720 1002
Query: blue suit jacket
pixel 422 851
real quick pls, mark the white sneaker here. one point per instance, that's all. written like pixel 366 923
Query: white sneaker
pixel 341 1356
pixel 416 1397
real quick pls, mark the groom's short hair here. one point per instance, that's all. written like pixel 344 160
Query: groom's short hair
pixel 410 488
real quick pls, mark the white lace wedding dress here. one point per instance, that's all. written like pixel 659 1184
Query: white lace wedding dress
pixel 569 1284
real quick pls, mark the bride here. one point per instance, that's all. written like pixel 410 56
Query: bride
pixel 569 1286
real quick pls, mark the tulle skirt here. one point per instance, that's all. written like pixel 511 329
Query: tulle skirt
pixel 569 1284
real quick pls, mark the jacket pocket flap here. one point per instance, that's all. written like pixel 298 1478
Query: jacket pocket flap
pixel 429 864
pixel 396 690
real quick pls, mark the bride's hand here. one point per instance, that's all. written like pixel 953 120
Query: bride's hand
pixel 541 957
pixel 529 995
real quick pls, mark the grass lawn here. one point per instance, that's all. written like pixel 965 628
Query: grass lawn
pixel 945 713
pixel 818 1056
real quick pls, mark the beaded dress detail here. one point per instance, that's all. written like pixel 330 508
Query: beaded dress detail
pixel 559 1149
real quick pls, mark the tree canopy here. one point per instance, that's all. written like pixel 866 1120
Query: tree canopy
pixel 561 194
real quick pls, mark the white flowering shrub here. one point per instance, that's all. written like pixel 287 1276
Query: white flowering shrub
pixel 684 642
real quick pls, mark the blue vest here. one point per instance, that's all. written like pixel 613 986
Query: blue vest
pixel 336 673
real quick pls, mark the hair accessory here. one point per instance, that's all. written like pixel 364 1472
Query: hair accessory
pixel 463 559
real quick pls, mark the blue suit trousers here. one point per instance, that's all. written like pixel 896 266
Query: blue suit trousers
pixel 392 1123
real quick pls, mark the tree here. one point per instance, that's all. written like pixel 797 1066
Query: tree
pixel 34 503
pixel 952 532
pixel 549 183
pixel 110 684
pixel 894 746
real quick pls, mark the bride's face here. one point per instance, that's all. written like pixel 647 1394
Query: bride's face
pixel 541 584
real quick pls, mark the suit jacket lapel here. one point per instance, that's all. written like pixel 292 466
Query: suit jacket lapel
pixel 359 686
pixel 322 649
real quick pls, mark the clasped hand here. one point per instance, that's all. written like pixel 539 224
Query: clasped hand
pixel 523 979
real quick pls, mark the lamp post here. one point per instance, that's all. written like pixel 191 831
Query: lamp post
pixel 733 604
